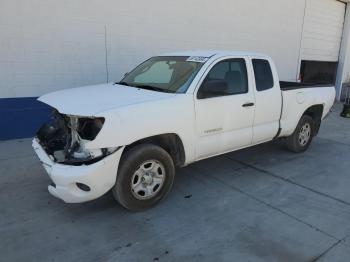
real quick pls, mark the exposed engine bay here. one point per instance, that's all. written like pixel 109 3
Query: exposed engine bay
pixel 65 136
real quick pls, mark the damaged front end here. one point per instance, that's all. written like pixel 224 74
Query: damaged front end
pixel 65 136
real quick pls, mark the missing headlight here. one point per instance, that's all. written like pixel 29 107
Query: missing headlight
pixel 65 136
pixel 54 135
pixel 90 127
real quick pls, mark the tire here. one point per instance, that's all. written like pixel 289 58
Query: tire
pixel 302 137
pixel 141 169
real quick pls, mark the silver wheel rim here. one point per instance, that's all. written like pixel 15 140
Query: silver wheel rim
pixel 304 134
pixel 148 179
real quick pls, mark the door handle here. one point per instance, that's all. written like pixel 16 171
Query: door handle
pixel 248 104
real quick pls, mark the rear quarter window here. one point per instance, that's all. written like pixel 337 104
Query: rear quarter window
pixel 263 74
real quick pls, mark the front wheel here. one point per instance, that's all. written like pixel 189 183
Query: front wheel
pixel 301 139
pixel 145 176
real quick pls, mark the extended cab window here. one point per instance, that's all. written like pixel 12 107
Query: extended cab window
pixel 228 77
pixel 263 74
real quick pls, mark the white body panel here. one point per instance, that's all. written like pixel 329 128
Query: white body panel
pixel 223 125
pixel 268 106
pixel 206 127
pixel 101 176
pixel 92 100
pixel 295 102
pixel 126 125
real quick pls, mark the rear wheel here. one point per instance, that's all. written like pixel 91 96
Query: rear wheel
pixel 145 176
pixel 301 139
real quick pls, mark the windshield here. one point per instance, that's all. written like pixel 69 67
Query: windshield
pixel 171 74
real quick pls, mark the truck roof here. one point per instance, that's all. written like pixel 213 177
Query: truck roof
pixel 209 53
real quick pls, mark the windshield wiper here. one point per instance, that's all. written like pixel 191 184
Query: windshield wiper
pixel 154 88
pixel 122 83
pixel 148 87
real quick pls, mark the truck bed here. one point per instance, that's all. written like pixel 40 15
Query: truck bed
pixel 299 97
pixel 285 85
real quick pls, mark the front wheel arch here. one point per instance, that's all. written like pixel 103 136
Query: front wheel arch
pixel 170 142
pixel 129 164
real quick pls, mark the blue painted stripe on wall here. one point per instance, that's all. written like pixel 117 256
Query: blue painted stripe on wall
pixel 21 117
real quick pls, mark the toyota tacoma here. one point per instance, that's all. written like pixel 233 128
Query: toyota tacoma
pixel 170 111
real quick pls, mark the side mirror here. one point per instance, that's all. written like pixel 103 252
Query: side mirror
pixel 212 88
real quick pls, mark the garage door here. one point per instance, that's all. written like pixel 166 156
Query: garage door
pixel 322 32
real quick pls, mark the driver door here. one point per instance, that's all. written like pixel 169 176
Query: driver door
pixel 224 121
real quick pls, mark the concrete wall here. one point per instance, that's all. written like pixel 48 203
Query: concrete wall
pixel 47 45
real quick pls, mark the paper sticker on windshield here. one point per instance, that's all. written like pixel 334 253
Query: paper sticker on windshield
pixel 197 59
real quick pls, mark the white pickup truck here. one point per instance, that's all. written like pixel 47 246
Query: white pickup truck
pixel 170 111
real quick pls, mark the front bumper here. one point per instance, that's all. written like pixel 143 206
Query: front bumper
pixel 100 176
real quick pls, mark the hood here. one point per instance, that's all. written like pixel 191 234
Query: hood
pixel 92 100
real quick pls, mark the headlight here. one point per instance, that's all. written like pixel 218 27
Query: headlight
pixel 88 128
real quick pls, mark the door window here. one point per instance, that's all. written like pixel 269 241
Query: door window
pixel 231 72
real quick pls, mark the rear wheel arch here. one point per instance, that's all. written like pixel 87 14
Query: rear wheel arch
pixel 302 136
pixel 316 113
pixel 170 142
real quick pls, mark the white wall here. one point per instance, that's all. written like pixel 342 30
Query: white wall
pixel 47 45
pixel 343 75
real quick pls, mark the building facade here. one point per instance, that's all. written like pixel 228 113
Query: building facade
pixel 48 45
